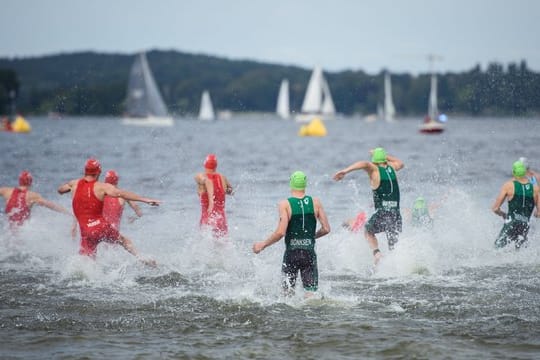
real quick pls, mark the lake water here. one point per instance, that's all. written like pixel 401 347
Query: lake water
pixel 441 294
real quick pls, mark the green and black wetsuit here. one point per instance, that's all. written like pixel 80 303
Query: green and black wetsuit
pixel 387 217
pixel 520 208
pixel 300 245
pixel 421 218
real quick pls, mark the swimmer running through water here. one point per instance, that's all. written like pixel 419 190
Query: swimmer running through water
pixel 298 217
pixel 113 208
pixel 212 188
pixel 381 171
pixel 20 200
pixel 88 194
pixel 522 198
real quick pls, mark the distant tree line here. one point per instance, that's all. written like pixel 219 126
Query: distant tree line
pixel 88 83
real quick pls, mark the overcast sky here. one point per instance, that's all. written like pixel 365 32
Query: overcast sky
pixel 336 34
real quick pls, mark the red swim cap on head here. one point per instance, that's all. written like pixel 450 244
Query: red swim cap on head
pixel 111 177
pixel 210 162
pixel 92 167
pixel 25 179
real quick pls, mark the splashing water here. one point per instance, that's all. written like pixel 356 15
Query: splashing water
pixel 440 290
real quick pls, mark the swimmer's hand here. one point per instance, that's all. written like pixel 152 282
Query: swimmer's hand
pixel 152 202
pixel 148 262
pixel 339 175
pixel 258 247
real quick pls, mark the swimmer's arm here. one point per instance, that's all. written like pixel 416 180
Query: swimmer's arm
pixel 135 208
pixel 50 205
pixel 228 187
pixel 359 165
pixel 499 201
pixel 6 192
pixel 74 229
pixel 395 162
pixel 537 201
pixel 113 191
pixel 67 187
pixel 323 219
pixel 199 179
pixel 278 233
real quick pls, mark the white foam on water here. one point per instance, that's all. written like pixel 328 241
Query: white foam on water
pixel 462 237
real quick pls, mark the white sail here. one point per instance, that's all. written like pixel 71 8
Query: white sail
pixel 206 111
pixel 313 99
pixel 282 108
pixel 389 109
pixel 318 99
pixel 433 110
pixel 328 107
pixel 144 105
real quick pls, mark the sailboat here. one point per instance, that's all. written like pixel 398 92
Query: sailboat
pixel 282 107
pixel 144 105
pixel 389 111
pixel 318 99
pixel 206 111
pixel 431 124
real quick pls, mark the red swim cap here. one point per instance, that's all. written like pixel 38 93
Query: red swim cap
pixel 92 167
pixel 25 179
pixel 111 177
pixel 210 162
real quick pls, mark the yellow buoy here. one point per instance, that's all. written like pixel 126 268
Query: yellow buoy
pixel 314 128
pixel 21 125
pixel 303 131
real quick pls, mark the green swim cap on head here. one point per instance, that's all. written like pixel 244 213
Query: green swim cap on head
pixel 298 180
pixel 378 155
pixel 419 203
pixel 518 169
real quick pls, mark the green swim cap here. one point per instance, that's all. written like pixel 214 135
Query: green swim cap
pixel 420 203
pixel 518 169
pixel 298 180
pixel 379 155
